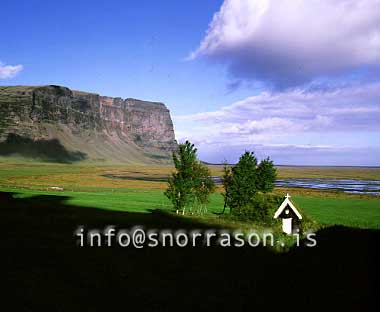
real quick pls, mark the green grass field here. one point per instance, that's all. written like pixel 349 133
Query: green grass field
pixel 360 213
pixel 85 185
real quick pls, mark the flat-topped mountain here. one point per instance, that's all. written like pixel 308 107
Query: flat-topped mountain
pixel 57 123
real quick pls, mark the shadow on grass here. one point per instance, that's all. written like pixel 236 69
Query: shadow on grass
pixel 45 150
pixel 44 269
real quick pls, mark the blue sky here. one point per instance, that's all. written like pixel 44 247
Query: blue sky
pixel 295 80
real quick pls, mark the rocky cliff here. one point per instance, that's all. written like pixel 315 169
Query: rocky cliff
pixel 99 127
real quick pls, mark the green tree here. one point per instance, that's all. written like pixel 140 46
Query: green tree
pixel 242 186
pixel 190 184
pixel 203 186
pixel 174 190
pixel 266 175
pixel 226 182
pixel 180 183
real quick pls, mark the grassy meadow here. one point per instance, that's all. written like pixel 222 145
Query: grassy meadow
pixel 140 189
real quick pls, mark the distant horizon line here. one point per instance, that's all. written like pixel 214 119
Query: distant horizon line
pixel 277 165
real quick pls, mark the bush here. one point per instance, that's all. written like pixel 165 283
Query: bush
pixel 260 208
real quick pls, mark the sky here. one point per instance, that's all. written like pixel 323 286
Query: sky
pixel 296 80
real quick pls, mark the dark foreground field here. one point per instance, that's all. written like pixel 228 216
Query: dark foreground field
pixel 43 269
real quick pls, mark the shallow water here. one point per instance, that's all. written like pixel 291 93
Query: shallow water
pixel 345 185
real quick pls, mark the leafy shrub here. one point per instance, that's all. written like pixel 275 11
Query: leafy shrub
pixel 260 208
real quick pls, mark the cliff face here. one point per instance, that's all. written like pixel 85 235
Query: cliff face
pixel 101 127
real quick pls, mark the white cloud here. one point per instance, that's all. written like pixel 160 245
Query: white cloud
pixel 294 154
pixel 291 42
pixel 269 117
pixel 9 71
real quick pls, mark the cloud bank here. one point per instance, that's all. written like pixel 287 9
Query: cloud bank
pixel 296 154
pixel 270 114
pixel 287 43
pixel 270 120
pixel 9 71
